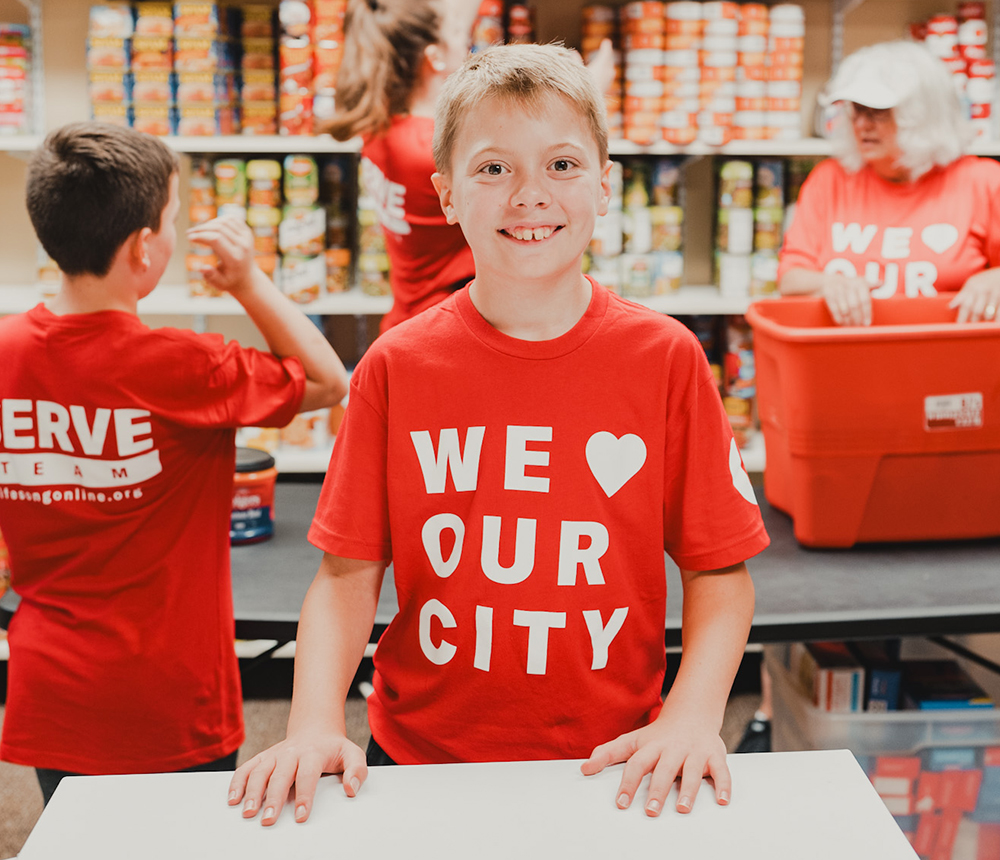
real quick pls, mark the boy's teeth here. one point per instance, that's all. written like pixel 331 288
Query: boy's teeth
pixel 527 234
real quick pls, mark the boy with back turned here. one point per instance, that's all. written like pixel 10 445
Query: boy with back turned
pixel 117 453
pixel 524 453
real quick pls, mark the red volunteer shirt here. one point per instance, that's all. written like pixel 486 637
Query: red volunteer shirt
pixel 525 493
pixel 917 238
pixel 116 471
pixel 428 257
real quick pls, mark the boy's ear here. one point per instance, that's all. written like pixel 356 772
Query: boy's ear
pixel 443 187
pixel 605 188
pixel 435 57
pixel 138 250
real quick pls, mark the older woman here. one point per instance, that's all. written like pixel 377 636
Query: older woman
pixel 901 210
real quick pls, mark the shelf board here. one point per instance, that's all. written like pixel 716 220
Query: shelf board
pixel 176 300
pixel 319 144
pixel 804 146
pixel 696 299
pixel 252 143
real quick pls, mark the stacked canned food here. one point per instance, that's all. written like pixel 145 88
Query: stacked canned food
pixel 960 41
pixel 310 49
pixel 302 243
pixel 708 72
pixel 636 247
pixel 15 78
pixel 598 23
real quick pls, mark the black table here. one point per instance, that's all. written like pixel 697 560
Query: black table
pixel 870 591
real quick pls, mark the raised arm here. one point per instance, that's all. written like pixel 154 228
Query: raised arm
pixel 334 626
pixel 287 331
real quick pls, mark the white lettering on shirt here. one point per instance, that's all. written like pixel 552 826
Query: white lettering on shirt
pixel 896 243
pixel 463 465
pixel 430 534
pixel 853 236
pixel 601 636
pixel 524 551
pixel 437 654
pixel 518 458
pixel 572 554
pixel 389 198
pixel 538 624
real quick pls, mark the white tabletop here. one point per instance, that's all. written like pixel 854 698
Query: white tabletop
pixel 785 805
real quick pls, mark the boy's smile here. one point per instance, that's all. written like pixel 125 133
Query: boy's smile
pixel 526 184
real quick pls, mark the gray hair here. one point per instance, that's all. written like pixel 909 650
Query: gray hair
pixel 931 126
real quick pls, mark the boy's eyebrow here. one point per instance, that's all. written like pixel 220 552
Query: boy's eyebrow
pixel 501 149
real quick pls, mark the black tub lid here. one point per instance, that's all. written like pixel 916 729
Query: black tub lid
pixel 253 460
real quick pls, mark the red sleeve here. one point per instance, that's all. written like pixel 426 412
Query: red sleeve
pixel 989 176
pixel 711 517
pixel 198 380
pixel 803 239
pixel 352 517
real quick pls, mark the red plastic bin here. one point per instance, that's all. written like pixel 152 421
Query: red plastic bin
pixel 889 432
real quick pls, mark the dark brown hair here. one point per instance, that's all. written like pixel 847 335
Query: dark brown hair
pixel 90 186
pixel 384 43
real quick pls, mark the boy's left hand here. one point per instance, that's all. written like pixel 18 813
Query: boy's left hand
pixel 231 240
pixel 671 746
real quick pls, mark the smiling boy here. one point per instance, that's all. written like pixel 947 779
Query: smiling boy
pixel 524 453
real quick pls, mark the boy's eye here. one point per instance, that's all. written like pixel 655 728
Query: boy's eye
pixel 562 164
pixel 493 169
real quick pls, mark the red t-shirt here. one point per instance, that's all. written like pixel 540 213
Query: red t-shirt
pixel 116 472
pixel 917 238
pixel 525 493
pixel 428 257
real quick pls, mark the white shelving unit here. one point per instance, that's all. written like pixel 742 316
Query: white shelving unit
pixel 176 301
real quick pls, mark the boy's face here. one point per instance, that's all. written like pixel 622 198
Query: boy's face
pixel 160 245
pixel 526 188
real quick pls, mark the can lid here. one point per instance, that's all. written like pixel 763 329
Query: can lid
pixel 253 460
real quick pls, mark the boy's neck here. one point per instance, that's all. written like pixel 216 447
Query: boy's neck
pixel 529 311
pixel 88 294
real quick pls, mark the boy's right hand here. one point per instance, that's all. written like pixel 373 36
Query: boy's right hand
pixel 231 240
pixel 264 781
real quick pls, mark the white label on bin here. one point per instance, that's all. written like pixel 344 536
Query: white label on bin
pixel 953 411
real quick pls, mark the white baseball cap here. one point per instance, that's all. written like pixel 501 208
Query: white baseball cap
pixel 870 83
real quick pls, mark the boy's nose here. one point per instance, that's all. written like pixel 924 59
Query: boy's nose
pixel 530 192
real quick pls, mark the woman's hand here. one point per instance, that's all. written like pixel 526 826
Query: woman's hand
pixel 265 780
pixel 849 299
pixel 979 298
pixel 669 747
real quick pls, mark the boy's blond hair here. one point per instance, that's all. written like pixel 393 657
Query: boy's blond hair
pixel 522 74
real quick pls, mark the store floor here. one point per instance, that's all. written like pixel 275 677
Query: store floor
pixel 21 800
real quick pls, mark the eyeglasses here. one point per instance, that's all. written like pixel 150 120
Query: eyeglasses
pixel 856 111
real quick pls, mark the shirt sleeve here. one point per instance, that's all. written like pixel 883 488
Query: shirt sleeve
pixel 990 172
pixel 803 239
pixel 201 381
pixel 711 517
pixel 352 517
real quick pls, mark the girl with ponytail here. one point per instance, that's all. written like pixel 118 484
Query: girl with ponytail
pixel 397 54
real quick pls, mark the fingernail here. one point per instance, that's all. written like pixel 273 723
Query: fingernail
pixel 653 806
pixel 684 802
pixel 268 813
pixel 723 797
pixel 249 805
pixel 300 812
pixel 355 784
pixel 232 795
pixel 623 800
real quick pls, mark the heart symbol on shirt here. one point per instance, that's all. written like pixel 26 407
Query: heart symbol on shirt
pixel 741 480
pixel 614 461
pixel 939 237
